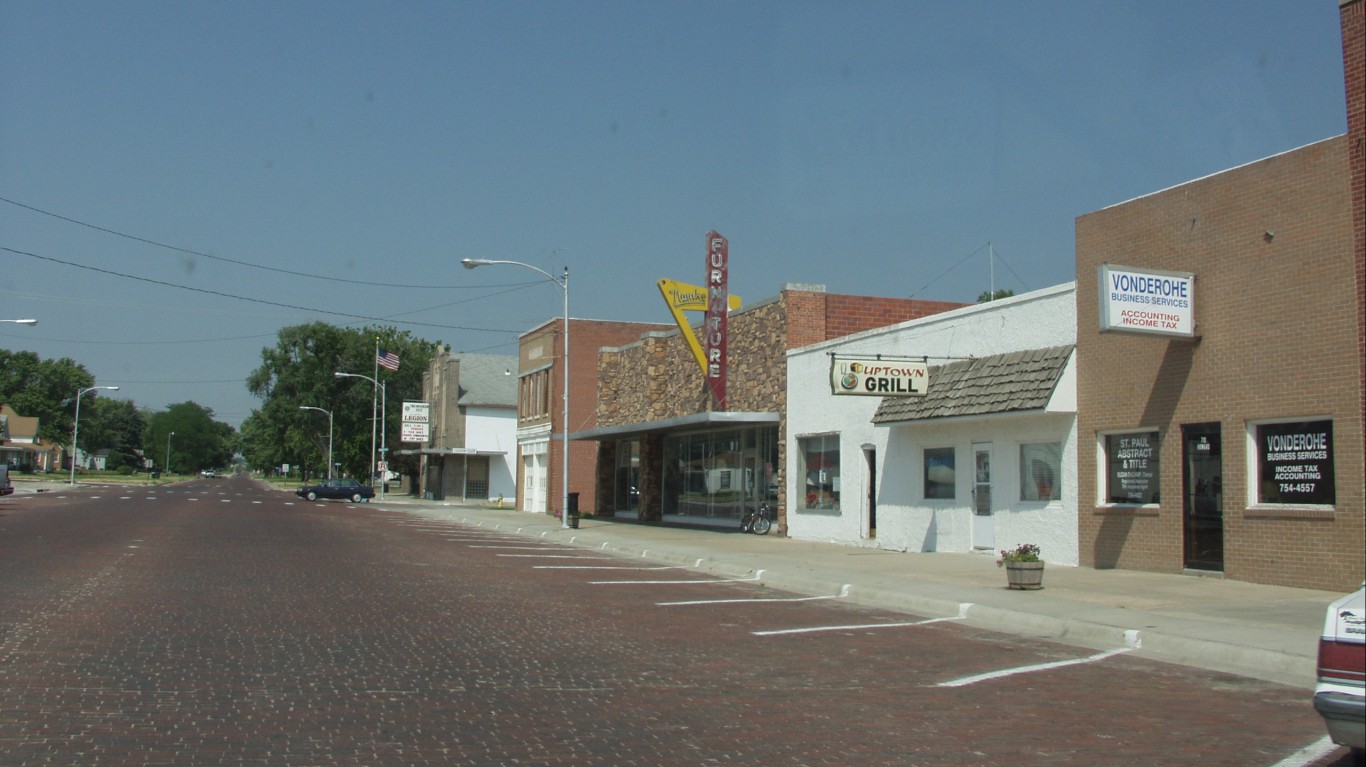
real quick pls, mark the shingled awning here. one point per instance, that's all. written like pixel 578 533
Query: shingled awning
pixel 1001 383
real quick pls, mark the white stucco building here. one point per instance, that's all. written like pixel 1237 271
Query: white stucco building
pixel 985 460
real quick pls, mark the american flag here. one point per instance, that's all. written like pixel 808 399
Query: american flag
pixel 387 359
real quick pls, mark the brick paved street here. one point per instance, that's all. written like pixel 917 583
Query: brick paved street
pixel 218 623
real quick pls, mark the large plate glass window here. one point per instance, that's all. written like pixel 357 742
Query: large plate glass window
pixel 940 478
pixel 1041 472
pixel 1131 468
pixel 820 471
pixel 1295 463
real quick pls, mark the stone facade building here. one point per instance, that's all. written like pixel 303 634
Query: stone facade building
pixel 665 453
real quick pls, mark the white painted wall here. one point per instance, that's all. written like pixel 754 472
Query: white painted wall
pixel 495 428
pixel 906 521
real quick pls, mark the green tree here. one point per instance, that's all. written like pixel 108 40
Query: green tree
pixel 187 434
pixel 45 389
pixel 988 296
pixel 115 425
pixel 300 371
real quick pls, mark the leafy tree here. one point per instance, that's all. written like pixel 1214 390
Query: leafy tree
pixel 987 296
pixel 187 434
pixel 300 371
pixel 116 425
pixel 45 389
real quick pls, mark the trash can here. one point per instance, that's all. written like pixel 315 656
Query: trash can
pixel 156 475
pixel 573 503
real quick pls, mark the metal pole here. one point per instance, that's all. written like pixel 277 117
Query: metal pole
pixel 564 473
pixel 76 424
pixel 563 284
pixel 168 452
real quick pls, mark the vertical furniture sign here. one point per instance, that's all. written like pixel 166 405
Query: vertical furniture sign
pixel 718 306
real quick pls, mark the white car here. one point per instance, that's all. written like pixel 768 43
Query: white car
pixel 1340 697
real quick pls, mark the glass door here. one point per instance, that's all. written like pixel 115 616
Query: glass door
pixel 1203 496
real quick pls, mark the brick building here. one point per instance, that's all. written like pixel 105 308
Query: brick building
pixel 663 451
pixel 1249 460
pixel 540 408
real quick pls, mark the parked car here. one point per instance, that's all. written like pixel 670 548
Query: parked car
pixel 5 486
pixel 1340 697
pixel 337 489
pixel 208 473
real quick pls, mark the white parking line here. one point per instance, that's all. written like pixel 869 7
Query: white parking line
pixel 549 556
pixel 541 547
pixel 743 601
pixel 967 680
pixel 855 627
pixel 756 577
pixel 1309 754
pixel 607 567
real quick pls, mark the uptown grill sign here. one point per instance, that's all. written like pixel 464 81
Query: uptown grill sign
pixel 874 377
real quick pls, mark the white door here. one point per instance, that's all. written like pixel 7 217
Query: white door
pixel 983 524
pixel 534 478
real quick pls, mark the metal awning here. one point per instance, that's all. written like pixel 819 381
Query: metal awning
pixel 708 420
pixel 449 451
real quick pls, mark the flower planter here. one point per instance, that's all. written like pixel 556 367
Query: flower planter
pixel 1024 576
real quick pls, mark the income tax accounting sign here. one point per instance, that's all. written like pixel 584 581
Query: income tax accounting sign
pixel 878 378
pixel 1147 301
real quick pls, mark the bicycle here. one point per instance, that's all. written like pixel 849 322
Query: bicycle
pixel 758 521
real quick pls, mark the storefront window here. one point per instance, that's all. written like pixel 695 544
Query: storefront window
pixel 820 470
pixel 713 477
pixel 1132 474
pixel 1040 472
pixel 1295 463
pixel 628 475
pixel 940 478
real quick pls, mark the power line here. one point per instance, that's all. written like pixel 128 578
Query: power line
pixel 222 294
pixel 249 265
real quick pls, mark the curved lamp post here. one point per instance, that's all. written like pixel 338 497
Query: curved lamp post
pixel 76 424
pixel 380 385
pixel 329 435
pixel 30 323
pixel 562 283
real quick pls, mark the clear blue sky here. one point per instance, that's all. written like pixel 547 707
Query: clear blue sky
pixel 872 147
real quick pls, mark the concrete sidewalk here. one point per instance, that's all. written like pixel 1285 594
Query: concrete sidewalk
pixel 1265 632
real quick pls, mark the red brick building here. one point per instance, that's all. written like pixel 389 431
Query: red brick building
pixel 540 408
pixel 1237 449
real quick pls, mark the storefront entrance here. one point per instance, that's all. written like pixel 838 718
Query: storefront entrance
pixel 983 523
pixel 712 478
pixel 1203 496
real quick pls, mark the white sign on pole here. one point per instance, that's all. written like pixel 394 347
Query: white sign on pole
pixel 414 432
pixel 1147 301
pixel 416 412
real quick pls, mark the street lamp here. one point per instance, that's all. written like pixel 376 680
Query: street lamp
pixel 329 435
pixel 30 323
pixel 563 284
pixel 76 424
pixel 383 394
pixel 168 454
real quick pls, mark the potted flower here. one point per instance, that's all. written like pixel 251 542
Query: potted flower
pixel 1024 569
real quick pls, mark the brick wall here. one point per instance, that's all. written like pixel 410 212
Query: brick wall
pixel 657 377
pixel 1278 339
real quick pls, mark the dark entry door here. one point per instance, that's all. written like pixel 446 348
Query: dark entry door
pixel 1202 478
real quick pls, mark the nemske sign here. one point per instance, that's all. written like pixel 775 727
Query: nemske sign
pixel 1147 301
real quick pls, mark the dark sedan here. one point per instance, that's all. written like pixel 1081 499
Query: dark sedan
pixel 337 489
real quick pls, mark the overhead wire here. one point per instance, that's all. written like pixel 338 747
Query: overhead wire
pixel 224 294
pixel 247 264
